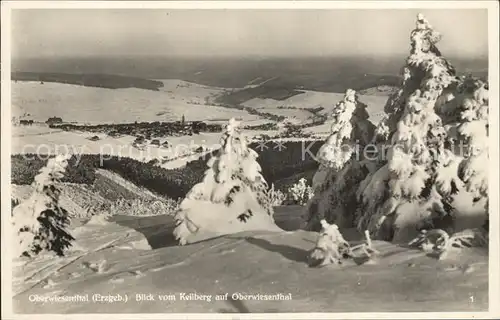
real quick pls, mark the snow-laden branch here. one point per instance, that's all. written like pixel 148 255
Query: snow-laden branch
pixel 440 243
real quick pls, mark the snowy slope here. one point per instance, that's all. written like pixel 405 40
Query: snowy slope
pixel 314 99
pixel 81 104
pixel 383 90
pixel 176 98
pixel 307 99
pixel 189 91
pixel 43 140
pixel 249 263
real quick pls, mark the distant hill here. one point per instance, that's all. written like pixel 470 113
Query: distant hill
pixel 329 74
pixel 90 80
pixel 282 88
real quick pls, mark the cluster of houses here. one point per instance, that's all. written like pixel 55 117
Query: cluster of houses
pixel 146 129
pixel 30 122
pixel 54 120
pixel 24 122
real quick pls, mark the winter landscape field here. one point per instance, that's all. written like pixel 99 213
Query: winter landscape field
pixel 250 184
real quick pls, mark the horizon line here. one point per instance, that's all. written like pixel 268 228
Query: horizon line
pixel 246 56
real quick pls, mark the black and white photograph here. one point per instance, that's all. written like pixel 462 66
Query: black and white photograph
pixel 219 160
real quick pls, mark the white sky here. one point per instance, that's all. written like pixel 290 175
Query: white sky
pixel 84 32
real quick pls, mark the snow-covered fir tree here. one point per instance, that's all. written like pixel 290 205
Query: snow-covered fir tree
pixel 473 127
pixel 394 108
pixel 232 196
pixel 466 111
pixel 381 139
pixel 416 182
pixel 330 248
pixel 339 165
pixel 39 223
